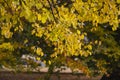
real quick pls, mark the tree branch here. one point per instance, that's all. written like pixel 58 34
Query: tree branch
pixel 51 7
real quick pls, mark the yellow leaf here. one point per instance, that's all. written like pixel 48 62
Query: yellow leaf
pixel 78 32
pixel 89 47
pixel 100 42
pixel 96 41
pixel 82 37
pixel 33 47
pixel 38 58
pixel 7 46
pixel 33 31
pixel 43 19
pixel 39 52
pixel 118 1
pixel 25 41
pixel 49 62
pixel 44 62
pixel 114 28
pixel 39 17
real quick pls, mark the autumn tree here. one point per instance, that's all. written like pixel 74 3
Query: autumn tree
pixel 57 31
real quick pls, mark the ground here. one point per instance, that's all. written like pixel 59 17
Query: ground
pixel 40 76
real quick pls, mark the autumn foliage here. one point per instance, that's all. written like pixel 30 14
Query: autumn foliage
pixel 57 31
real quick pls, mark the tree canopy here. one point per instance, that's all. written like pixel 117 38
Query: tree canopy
pixel 57 31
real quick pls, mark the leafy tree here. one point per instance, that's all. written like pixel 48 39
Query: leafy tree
pixel 56 31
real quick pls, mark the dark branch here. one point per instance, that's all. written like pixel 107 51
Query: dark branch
pixel 51 7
